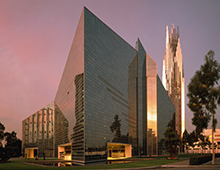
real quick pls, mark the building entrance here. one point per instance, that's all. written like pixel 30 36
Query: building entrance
pixel 64 151
pixel 119 150
pixel 31 152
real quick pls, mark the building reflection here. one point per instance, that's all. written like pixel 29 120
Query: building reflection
pixel 61 130
pixel 151 83
pixel 78 136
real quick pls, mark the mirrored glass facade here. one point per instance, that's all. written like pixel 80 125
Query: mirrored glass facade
pixel 165 110
pixel 106 105
pixel 151 82
pixel 38 131
pixel 173 76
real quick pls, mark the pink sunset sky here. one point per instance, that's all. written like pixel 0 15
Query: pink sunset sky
pixel 36 35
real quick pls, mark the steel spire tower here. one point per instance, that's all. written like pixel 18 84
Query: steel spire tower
pixel 173 76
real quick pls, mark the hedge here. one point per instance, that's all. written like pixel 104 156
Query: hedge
pixel 201 159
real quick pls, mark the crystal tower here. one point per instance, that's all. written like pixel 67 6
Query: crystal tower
pixel 173 76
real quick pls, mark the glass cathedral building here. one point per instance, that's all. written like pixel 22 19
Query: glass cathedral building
pixel 173 76
pixel 110 102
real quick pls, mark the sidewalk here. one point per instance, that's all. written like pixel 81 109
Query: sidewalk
pixel 185 163
pixel 217 162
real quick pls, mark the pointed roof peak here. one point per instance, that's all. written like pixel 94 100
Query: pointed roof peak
pixel 85 8
pixel 139 45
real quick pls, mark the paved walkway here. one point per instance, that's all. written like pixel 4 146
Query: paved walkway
pixel 185 163
pixel 217 162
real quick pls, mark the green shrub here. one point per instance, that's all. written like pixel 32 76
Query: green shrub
pixel 197 160
pixel 217 155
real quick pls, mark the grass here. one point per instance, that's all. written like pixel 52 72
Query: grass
pixel 188 155
pixel 17 165
pixel 181 156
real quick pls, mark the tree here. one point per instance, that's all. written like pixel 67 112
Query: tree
pixel 12 146
pixel 172 139
pixel 172 122
pixel 2 135
pixel 204 141
pixel 204 95
pixel 17 144
pixel 13 143
pixel 116 127
pixel 192 139
pixel 185 139
pixel 116 130
pixel 177 141
pixel 10 138
pixel 169 136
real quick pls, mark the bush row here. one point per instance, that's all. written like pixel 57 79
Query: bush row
pixel 201 159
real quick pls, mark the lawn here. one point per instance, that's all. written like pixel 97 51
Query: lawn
pixel 17 165
pixel 181 156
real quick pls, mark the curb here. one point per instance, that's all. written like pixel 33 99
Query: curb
pixel 141 168
pixel 178 166
pixel 190 166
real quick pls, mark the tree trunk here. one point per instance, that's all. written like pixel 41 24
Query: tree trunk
pixel 213 151
pixel 171 149
pixel 175 151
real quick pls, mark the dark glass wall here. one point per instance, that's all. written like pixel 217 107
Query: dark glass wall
pixel 142 119
pixel 133 105
pixel 107 57
pixel 60 129
pixel 78 130
pixel 165 110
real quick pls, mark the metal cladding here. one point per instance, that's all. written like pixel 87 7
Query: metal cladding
pixel 173 76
